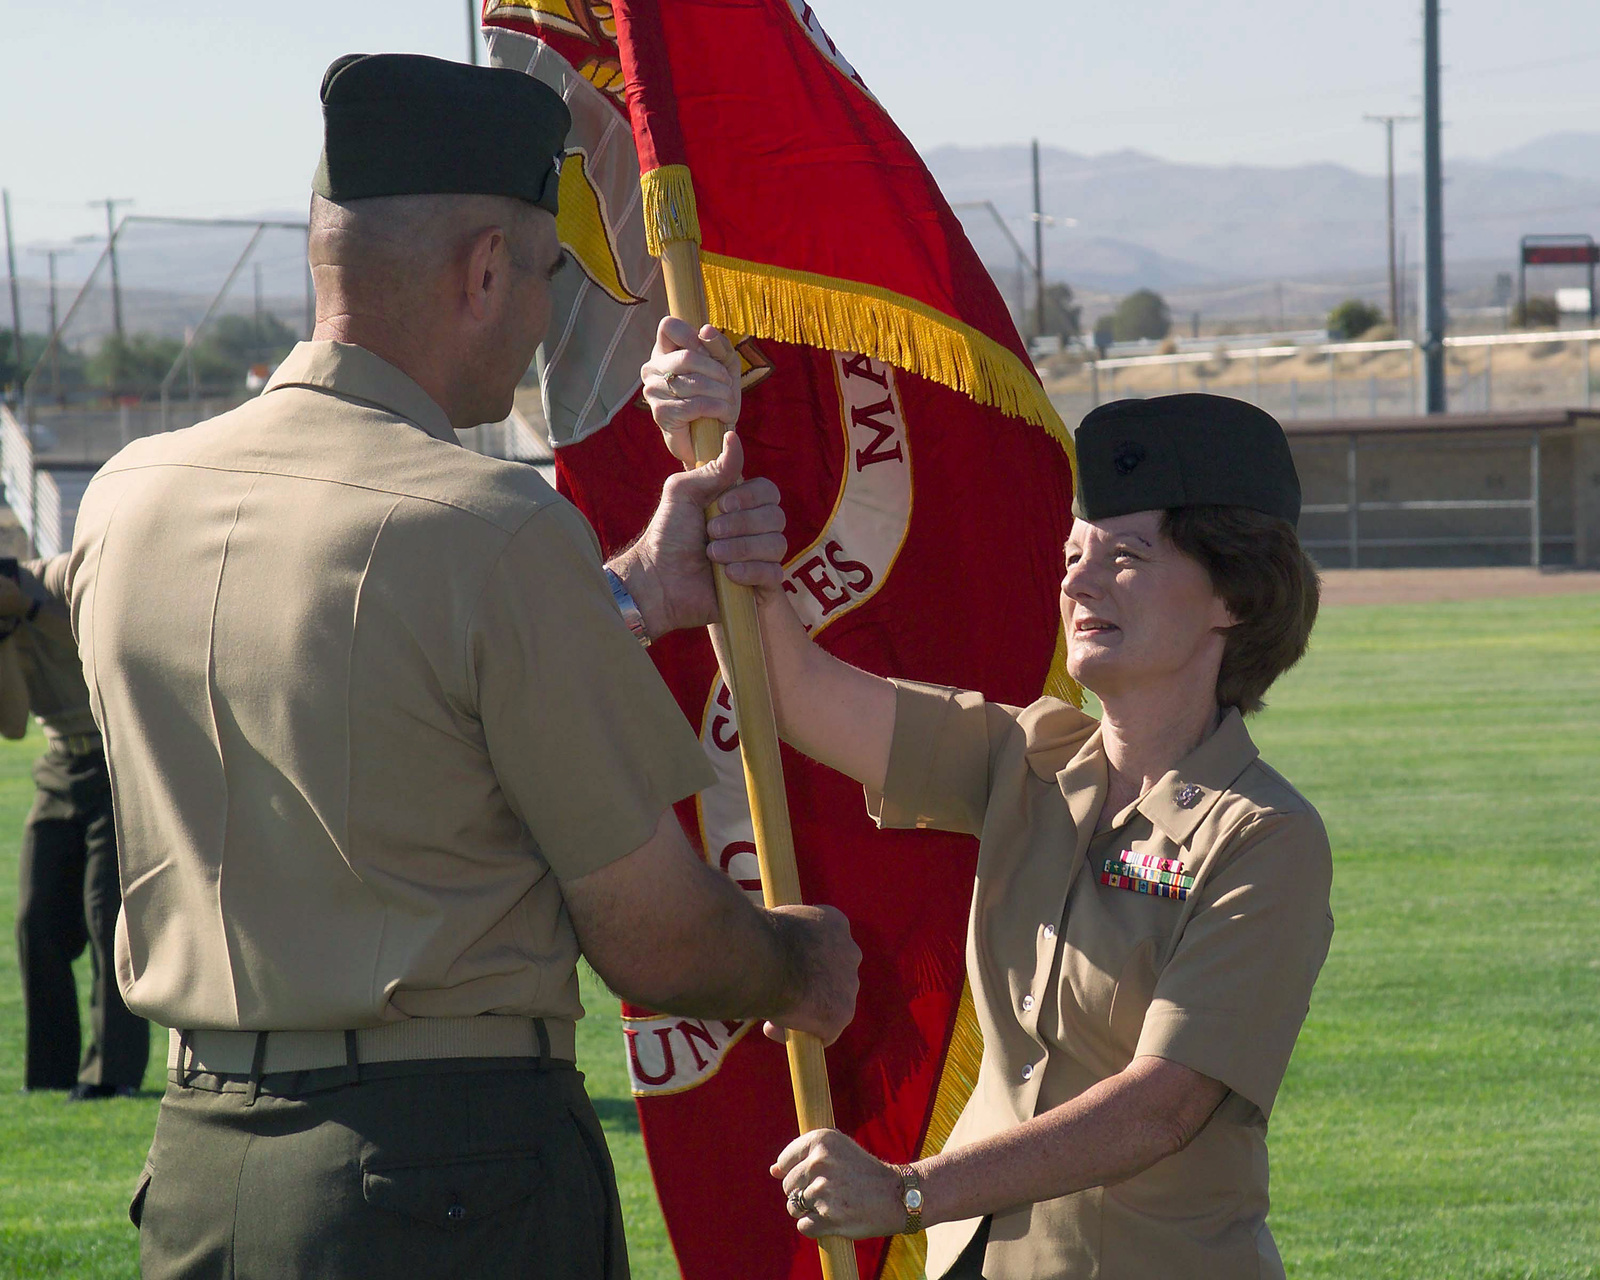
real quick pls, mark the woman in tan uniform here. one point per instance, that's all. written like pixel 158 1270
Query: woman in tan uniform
pixel 1151 905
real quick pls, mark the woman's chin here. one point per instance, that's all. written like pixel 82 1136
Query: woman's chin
pixel 1092 667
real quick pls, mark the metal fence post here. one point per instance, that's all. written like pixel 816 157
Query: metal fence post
pixel 1353 497
pixel 1255 378
pixel 1488 378
pixel 1333 385
pixel 1294 397
pixel 1535 524
pixel 1413 379
pixel 1372 396
pixel 1094 384
pixel 1588 380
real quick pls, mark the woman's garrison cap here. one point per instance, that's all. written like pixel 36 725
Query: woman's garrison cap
pixel 1183 451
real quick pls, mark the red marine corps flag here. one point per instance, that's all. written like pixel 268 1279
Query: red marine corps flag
pixel 928 487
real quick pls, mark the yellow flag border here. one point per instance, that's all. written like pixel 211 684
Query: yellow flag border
pixel 843 315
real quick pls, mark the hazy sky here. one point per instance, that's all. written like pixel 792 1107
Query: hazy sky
pixel 212 110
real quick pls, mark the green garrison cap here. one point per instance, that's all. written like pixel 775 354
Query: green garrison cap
pixel 1183 451
pixel 400 124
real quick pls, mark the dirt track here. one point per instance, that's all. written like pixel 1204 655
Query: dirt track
pixel 1428 586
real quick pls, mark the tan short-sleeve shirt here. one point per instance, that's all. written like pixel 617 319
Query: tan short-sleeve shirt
pixel 1073 978
pixel 366 702
pixel 49 661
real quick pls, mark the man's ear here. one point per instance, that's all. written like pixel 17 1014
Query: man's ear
pixel 483 276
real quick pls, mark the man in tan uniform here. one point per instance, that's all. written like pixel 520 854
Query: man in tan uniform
pixel 386 757
pixel 67 887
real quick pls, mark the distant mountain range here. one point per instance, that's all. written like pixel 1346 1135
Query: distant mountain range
pixel 1576 155
pixel 1232 239
pixel 1144 221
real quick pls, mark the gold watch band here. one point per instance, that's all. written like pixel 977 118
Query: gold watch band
pixel 910 1198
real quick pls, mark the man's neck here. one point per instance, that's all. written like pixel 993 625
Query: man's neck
pixel 418 360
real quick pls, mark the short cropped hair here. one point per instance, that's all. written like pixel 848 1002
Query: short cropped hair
pixel 1260 571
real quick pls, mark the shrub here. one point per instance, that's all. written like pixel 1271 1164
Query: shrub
pixel 1143 314
pixel 1352 318
pixel 1539 312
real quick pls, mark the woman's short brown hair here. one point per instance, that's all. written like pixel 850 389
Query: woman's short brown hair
pixel 1269 584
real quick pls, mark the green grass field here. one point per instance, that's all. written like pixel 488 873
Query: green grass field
pixel 1442 1114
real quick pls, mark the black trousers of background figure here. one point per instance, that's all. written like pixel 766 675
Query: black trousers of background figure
pixel 68 900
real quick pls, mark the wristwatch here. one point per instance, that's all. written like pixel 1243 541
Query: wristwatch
pixel 627 607
pixel 910 1198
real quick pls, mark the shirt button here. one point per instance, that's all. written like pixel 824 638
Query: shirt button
pixel 1027 1004
pixel 1027 1072
pixel 1049 931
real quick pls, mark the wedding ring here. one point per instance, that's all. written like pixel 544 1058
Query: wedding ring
pixel 798 1204
pixel 672 390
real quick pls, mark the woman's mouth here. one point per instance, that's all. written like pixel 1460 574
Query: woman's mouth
pixel 1092 626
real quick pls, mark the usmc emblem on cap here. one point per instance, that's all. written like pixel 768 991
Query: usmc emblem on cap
pixel 1129 454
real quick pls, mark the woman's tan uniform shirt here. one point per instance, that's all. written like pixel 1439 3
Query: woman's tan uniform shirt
pixel 366 700
pixel 1074 979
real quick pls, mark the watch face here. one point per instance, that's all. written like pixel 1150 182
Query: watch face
pixel 913 1200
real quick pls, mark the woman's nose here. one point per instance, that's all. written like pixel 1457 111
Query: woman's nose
pixel 1078 581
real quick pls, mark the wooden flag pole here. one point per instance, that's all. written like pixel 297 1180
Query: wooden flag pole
pixel 758 743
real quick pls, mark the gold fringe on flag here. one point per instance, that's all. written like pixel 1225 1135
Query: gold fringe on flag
pixel 908 1255
pixel 1058 684
pixel 670 212
pixel 841 315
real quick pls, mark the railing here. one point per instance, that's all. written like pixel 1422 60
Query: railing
pixel 1362 396
pixel 16 470
pixel 1353 507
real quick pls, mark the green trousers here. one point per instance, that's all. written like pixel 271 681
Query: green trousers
pixel 482 1169
pixel 68 898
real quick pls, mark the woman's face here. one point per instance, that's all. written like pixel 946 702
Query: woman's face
pixel 1138 612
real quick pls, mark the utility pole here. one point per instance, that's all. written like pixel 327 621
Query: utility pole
pixel 472 31
pixel 256 352
pixel 1024 266
pixel 1432 214
pixel 55 347
pixel 1388 123
pixel 16 301
pixel 1038 248
pixel 111 246
pixel 1400 330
